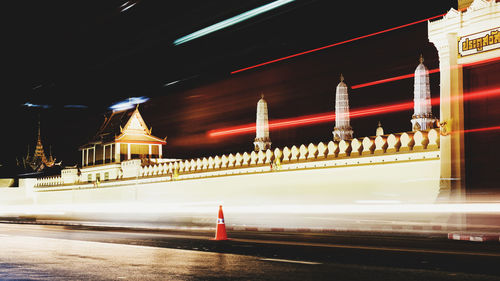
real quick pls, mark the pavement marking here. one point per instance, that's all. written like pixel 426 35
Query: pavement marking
pixel 291 261
pixel 376 248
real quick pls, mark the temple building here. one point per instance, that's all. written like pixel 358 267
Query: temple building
pixel 39 161
pixel 343 129
pixel 121 145
pixel 422 118
pixel 123 136
pixel 262 140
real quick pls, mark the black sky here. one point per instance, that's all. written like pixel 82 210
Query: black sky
pixel 61 53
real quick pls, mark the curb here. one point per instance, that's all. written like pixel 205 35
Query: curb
pixel 399 228
pixel 474 237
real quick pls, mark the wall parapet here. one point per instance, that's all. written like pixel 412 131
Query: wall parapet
pixel 49 181
pixel 269 160
pixel 357 147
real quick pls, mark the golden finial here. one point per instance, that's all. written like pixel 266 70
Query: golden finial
pixel 379 124
pixel 421 60
pixel 341 77
pixel 261 95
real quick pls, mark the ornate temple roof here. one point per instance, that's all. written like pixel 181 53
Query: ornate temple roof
pixel 123 126
pixel 39 160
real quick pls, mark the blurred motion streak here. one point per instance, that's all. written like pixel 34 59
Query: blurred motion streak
pixel 157 208
pixel 411 75
pixel 231 21
pixel 396 78
pixel 328 117
pixel 336 44
pixel 495 128
pixel 128 103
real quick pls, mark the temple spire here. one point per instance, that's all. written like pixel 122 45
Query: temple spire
pixel 262 140
pixel 39 160
pixel 342 129
pixel 422 118
pixel 380 130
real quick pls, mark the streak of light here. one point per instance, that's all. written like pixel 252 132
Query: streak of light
pixel 291 261
pixel 129 103
pixel 495 128
pixel 378 202
pixel 159 208
pixel 75 106
pixel 127 5
pixel 310 120
pixel 172 83
pixel 411 75
pixel 44 106
pixel 231 21
pixel 178 81
pixel 396 78
pixel 328 116
pixel 336 44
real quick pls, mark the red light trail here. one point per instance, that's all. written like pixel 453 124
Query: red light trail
pixel 411 75
pixel 401 77
pixel 481 129
pixel 335 44
pixel 328 116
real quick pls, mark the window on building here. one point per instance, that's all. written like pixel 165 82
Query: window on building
pixel 89 177
pixel 98 177
pixel 106 176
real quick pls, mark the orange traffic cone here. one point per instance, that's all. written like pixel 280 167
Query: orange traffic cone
pixel 220 232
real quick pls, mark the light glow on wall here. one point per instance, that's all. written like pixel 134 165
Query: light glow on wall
pixel 231 21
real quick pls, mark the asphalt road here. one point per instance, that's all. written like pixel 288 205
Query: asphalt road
pixel 38 252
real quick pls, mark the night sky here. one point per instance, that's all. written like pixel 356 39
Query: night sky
pixel 78 58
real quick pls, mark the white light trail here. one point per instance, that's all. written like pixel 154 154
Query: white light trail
pixel 208 207
pixel 231 21
pixel 128 103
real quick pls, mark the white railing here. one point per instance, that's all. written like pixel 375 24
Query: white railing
pixel 386 144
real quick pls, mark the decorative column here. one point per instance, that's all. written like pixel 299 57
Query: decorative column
pixel 262 140
pixel 342 129
pixel 160 152
pixel 129 156
pixel 422 118
pixel 117 152
pixel 83 157
pixel 443 35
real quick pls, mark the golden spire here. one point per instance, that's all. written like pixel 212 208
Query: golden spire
pixel 421 59
pixel 341 77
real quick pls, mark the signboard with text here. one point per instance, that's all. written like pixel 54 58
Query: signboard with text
pixel 479 42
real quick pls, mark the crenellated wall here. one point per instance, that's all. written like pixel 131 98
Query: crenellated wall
pixel 384 149
pixel 361 147
pixel 396 168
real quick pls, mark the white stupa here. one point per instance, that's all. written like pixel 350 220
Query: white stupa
pixel 262 140
pixel 422 118
pixel 343 129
